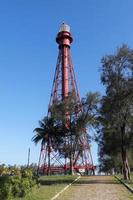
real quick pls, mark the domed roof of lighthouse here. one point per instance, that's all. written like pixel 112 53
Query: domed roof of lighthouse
pixel 64 27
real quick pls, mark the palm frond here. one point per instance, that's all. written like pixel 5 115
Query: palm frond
pixel 38 130
pixel 36 138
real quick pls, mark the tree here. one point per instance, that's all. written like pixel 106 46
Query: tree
pixel 49 133
pixel 116 113
pixel 67 120
pixel 76 116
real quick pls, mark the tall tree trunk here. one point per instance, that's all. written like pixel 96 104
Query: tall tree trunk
pixel 71 165
pixel 48 172
pixel 126 169
pixel 71 156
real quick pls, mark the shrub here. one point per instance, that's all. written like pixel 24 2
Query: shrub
pixel 16 186
pixel 16 183
pixel 5 188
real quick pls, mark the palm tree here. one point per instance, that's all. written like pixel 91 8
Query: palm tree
pixel 50 134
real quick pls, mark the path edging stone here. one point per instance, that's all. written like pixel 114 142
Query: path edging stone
pixel 53 198
pixel 125 184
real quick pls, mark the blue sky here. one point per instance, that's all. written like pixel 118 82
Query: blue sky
pixel 28 54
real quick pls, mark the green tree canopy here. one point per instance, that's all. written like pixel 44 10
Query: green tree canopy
pixel 116 113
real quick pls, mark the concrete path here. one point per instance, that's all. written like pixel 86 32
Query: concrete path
pixel 96 188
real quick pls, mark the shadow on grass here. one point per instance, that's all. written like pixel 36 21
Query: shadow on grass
pixel 54 182
pixel 96 182
pixel 80 181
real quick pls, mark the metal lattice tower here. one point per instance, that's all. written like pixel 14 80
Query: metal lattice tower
pixel 51 161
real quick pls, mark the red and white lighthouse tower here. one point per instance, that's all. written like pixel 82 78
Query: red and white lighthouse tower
pixel 63 84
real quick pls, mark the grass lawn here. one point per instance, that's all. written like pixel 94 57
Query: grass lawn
pixel 130 183
pixel 49 186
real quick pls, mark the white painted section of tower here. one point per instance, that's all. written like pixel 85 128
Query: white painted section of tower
pixel 64 27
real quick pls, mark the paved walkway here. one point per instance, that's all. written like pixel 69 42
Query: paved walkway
pixel 96 188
